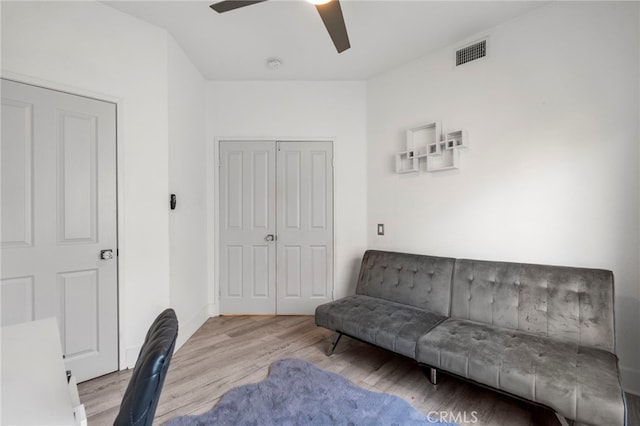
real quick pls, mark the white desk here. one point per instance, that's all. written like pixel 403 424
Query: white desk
pixel 34 381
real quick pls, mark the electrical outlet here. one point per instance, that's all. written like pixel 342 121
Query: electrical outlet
pixel 381 229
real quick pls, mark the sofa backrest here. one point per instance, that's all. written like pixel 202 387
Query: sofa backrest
pixel 411 279
pixel 572 304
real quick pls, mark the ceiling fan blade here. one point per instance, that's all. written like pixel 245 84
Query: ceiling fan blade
pixel 227 5
pixel 331 14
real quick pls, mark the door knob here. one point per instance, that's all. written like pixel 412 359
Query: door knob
pixel 269 237
pixel 106 254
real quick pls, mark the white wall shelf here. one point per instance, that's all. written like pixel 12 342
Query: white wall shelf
pixel 407 162
pixel 447 160
pixel 457 139
pixel 427 141
pixel 434 149
pixel 423 136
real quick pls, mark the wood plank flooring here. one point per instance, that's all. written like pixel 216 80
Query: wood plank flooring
pixel 231 351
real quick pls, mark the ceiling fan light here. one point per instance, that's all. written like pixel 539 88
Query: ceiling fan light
pixel 318 2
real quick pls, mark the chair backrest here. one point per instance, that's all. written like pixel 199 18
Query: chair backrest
pixel 141 398
pixel 410 279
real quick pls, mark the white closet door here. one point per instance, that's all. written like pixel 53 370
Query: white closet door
pixel 305 226
pixel 58 213
pixel 247 226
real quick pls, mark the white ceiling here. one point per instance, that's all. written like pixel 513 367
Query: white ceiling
pixel 383 34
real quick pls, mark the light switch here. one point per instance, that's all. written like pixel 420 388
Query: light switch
pixel 381 229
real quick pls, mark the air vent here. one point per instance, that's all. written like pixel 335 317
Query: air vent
pixel 471 53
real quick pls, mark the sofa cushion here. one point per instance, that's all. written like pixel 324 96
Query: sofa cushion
pixel 390 325
pixel 410 279
pixel 578 382
pixel 570 304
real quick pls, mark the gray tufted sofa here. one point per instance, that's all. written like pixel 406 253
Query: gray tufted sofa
pixel 542 333
pixel 399 298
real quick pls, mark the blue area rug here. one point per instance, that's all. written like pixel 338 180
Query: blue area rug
pixel 298 393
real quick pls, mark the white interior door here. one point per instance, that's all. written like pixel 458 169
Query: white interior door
pixel 305 226
pixel 247 219
pixel 293 272
pixel 58 213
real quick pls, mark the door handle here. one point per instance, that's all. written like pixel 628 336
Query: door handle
pixel 106 254
pixel 270 237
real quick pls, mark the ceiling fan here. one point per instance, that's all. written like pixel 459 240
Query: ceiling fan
pixel 330 12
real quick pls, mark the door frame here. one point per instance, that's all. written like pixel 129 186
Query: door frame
pixel 120 202
pixel 213 204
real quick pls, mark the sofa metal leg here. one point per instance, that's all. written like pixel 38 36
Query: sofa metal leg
pixel 433 376
pixel 335 343
pixel 431 373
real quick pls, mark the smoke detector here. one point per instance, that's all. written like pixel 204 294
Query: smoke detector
pixel 274 63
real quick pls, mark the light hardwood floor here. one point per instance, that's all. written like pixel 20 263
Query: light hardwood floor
pixel 230 351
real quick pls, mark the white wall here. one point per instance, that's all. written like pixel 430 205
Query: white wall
pixel 551 175
pixel 290 110
pixel 187 179
pixel 90 48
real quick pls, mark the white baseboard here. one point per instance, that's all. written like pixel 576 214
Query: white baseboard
pixel 187 328
pixel 214 310
pixel 630 380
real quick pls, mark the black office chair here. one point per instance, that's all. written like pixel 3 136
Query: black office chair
pixel 141 398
